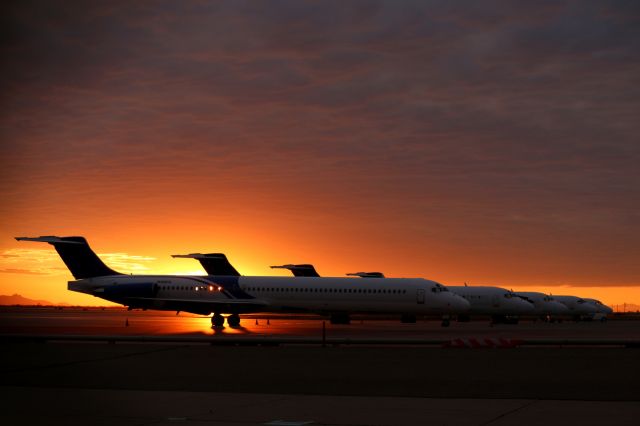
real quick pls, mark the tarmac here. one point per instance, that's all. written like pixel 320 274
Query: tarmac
pixel 167 383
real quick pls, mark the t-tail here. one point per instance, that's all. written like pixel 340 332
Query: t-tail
pixel 77 255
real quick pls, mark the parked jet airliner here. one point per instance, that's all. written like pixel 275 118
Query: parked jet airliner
pixel 233 295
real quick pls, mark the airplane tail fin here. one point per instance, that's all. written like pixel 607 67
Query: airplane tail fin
pixel 77 255
pixel 213 263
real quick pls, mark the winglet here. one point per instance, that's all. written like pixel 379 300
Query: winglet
pixel 200 256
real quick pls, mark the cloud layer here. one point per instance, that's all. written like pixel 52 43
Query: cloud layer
pixel 486 136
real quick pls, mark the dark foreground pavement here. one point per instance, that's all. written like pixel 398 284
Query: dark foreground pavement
pixel 64 383
pixel 56 406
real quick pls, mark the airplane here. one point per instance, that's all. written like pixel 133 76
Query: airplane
pixel 501 304
pixel 544 305
pixel 233 295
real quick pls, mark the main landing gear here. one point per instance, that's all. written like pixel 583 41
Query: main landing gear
pixel 233 320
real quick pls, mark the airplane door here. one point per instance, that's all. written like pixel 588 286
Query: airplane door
pixel 420 296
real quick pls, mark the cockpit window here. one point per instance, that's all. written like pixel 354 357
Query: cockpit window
pixel 581 301
pixel 508 295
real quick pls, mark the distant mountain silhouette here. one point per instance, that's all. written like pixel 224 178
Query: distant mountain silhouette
pixel 16 299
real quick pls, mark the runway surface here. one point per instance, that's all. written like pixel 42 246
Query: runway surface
pixel 142 383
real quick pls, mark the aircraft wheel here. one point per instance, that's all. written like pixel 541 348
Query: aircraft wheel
pixel 217 320
pixel 233 320
pixel 446 323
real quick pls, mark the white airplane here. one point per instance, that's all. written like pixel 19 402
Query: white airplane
pixel 501 304
pixel 544 305
pixel 233 295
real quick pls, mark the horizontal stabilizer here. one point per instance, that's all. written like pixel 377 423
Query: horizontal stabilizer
pixel 299 270
pixel 200 256
pixel 366 274
pixel 48 239
pixel 213 263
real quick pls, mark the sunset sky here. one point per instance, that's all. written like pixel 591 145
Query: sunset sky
pixel 494 143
